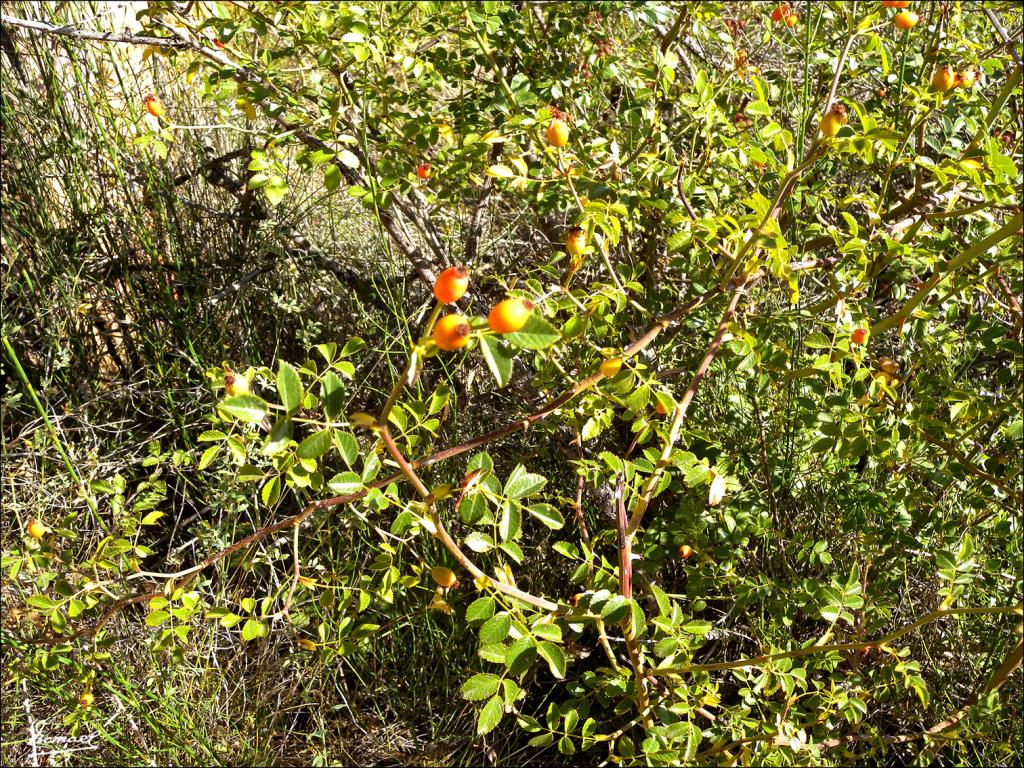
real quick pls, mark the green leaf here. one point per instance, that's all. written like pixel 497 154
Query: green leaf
pixel 510 691
pixel 500 171
pixel 637 619
pixel 479 542
pixel 275 192
pixel 248 408
pixel 495 629
pixel 697 627
pixel 498 358
pixel 490 716
pixel 538 333
pixel 253 628
pixel 271 491
pixel 156 618
pixel 511 521
pixel 315 445
pixel 614 609
pixel 551 632
pixel 289 387
pixel 473 508
pixel 547 514
pixel 277 439
pixel 495 653
pixel 480 686
pixel 208 456
pixel 480 610
pixel 102 486
pixel 333 394
pixel 332 177
pixel 42 602
pixel 690 736
pixel 521 483
pixel 345 484
pixel 520 656
pixel 555 658
pixel 347 446
pixel 664 606
pixel 250 473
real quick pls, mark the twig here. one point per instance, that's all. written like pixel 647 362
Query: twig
pixel 476 221
pixel 644 499
pixel 626 589
pixel 446 539
pixel 1011 46
pixel 1007 230
pixel 673 31
pixel 678 671
pixel 84 34
pixel 995 682
pixel 968 465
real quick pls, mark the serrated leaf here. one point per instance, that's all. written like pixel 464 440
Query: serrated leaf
pixel 495 629
pixel 332 177
pixel 614 609
pixel 511 521
pixel 551 632
pixel 520 656
pixel 315 445
pixel 42 602
pixel 521 483
pixel 275 193
pixel 480 686
pixel 554 656
pixel 156 618
pixel 697 627
pixel 208 456
pixel 480 610
pixel 494 653
pixel 513 550
pixel 252 629
pixel 479 542
pixel 547 514
pixel 510 691
pixel 289 387
pixel 664 605
pixel 490 716
pixel 250 474
pixel 473 508
pixel 690 735
pixel 345 483
pixel 538 333
pixel 277 439
pixel 498 358
pixel 333 395
pixel 271 491
pixel 347 446
pixel 248 408
pixel 500 171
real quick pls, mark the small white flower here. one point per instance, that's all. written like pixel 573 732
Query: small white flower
pixel 843 316
pixel 717 491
